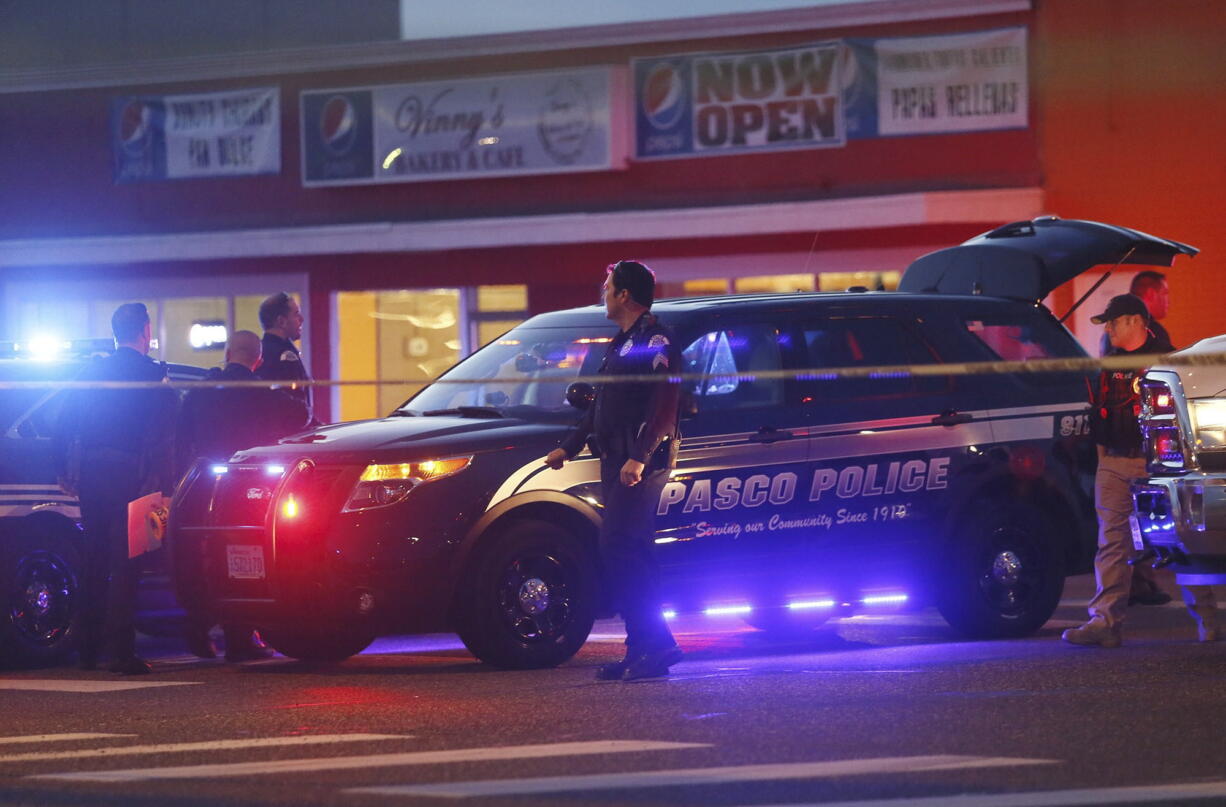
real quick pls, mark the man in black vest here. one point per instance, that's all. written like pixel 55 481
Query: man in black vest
pixel 114 446
pixel 282 320
pixel 213 425
pixel 635 430
pixel 1115 421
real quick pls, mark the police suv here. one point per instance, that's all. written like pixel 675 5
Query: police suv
pixel 1180 508
pixel 799 495
pixel 40 536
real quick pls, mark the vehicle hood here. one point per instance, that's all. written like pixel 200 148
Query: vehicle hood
pixel 407 438
pixel 1207 381
pixel 1027 260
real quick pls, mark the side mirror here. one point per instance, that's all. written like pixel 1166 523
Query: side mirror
pixel 580 394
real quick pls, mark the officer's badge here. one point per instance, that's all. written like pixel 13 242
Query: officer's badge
pixel 289 355
pixel 626 348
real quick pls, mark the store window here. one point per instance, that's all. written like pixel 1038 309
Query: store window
pixel 773 283
pixel 405 338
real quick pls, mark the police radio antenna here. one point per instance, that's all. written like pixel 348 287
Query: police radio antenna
pixel 809 254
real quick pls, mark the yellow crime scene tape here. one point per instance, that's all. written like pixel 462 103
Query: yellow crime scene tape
pixel 1025 366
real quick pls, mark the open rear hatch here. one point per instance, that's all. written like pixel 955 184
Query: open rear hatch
pixel 1026 260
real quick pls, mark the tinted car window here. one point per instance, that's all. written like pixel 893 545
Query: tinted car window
pixel 1011 339
pixel 868 342
pixel 534 366
pixel 750 349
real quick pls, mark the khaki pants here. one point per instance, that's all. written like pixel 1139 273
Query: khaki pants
pixel 1113 501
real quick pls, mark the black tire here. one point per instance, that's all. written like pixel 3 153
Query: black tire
pixel 1005 572
pixel 531 597
pixel 40 592
pixel 333 644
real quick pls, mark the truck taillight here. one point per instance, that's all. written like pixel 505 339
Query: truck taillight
pixel 1156 399
pixel 1164 448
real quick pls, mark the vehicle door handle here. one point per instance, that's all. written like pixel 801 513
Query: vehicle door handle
pixel 769 434
pixel 951 418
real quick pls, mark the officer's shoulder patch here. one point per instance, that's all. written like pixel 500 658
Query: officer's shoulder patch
pixel 289 355
pixel 658 340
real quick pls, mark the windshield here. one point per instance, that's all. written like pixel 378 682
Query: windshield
pixel 523 374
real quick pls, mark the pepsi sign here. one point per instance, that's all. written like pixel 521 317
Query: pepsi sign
pixel 139 139
pixel 663 119
pixel 337 136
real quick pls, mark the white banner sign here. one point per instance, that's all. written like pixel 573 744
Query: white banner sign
pixel 955 83
pixel 536 123
pixel 216 134
pixel 518 124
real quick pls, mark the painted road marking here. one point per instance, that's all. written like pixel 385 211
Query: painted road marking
pixel 1146 794
pixel 372 761
pixel 87 687
pixel 58 738
pixel 206 745
pixel 699 776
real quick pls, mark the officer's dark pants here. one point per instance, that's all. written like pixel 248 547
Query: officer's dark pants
pixel 626 548
pixel 109 480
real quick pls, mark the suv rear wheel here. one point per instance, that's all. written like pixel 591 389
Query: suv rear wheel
pixel 533 597
pixel 40 573
pixel 1006 573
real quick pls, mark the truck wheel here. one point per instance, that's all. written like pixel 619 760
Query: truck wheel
pixel 531 598
pixel 336 644
pixel 40 591
pixel 1006 573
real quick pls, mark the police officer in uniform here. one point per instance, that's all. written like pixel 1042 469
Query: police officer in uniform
pixel 213 425
pixel 634 426
pixel 281 319
pixel 1115 421
pixel 112 447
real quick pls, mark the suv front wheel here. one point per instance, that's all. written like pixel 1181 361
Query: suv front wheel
pixel 532 597
pixel 1004 573
pixel 40 568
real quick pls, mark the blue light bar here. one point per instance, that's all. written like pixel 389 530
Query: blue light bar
pixel 670 614
pixel 728 610
pixel 800 605
pixel 220 469
pixel 884 599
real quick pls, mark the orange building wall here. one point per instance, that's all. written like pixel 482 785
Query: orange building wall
pixel 1131 106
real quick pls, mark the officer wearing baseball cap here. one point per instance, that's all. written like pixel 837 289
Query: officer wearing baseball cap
pixel 636 434
pixel 1114 417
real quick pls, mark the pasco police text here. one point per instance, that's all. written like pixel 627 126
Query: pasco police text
pixel 762 98
pixel 873 479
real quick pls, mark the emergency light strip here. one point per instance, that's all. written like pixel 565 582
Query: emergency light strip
pixel 738 609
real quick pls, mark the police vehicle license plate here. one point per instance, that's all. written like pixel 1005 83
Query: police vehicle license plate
pixel 245 562
pixel 1138 542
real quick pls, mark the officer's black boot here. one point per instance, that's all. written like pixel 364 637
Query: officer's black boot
pixel 614 670
pixel 653 664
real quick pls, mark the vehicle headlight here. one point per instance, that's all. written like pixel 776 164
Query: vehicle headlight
pixel 381 485
pixel 1209 423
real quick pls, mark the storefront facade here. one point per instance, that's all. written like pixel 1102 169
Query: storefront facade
pixel 408 258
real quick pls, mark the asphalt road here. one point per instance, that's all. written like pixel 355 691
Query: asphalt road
pixel 868 711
